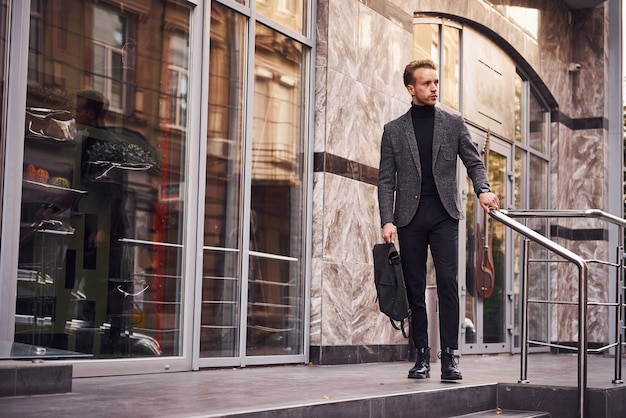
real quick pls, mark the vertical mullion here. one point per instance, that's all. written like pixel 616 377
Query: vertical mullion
pixel 246 184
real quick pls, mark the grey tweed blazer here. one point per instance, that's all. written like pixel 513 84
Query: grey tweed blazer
pixel 400 172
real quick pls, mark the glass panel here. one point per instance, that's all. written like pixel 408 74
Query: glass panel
pixel 451 71
pixel 35 44
pixel 426 41
pixel 100 251
pixel 494 306
pixel 485 311
pixel 517 242
pixel 518 108
pixel 471 254
pixel 4 22
pixel 221 274
pixel 276 288
pixel 538 135
pixel 538 284
pixel 289 13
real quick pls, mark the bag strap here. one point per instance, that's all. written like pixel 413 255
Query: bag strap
pixel 405 334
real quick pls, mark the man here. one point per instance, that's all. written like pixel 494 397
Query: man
pixel 419 200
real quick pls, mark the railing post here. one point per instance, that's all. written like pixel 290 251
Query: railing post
pixel 619 295
pixel 524 313
pixel 582 338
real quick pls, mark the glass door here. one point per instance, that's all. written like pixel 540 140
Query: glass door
pixel 486 293
pixel 253 281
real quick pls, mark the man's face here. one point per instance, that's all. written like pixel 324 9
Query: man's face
pixel 425 87
pixel 83 115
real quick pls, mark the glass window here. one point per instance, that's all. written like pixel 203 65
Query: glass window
pixel 221 274
pixel 276 291
pixel 3 59
pixel 442 44
pixel 100 250
pixel 518 108
pixel 110 34
pixel 178 78
pixel 451 71
pixel 426 41
pixel 289 13
pixel 537 125
pixel 35 42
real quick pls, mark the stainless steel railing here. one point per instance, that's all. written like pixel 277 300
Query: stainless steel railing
pixel 618 264
pixel 582 297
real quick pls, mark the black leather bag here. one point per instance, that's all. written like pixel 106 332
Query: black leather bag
pixel 390 287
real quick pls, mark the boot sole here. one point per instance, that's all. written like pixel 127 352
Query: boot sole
pixel 419 376
pixel 451 378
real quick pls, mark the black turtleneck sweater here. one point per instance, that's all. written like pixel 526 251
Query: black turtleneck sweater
pixel 423 124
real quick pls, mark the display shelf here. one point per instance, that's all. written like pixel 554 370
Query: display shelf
pixel 51 188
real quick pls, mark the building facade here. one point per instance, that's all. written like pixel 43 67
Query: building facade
pixel 191 184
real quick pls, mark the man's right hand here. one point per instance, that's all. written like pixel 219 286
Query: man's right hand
pixel 389 233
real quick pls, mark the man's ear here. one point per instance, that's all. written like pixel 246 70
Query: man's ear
pixel 411 89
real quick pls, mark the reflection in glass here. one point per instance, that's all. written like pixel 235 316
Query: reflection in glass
pixel 518 164
pixel 473 245
pixel 538 134
pixel 538 271
pixel 288 13
pixel 221 275
pixel 485 312
pixel 451 71
pixel 494 306
pixel 426 41
pixel 4 22
pixel 275 298
pixel 517 106
pixel 100 251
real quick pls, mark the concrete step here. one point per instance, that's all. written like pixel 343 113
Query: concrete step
pixel 506 413
pixel 22 378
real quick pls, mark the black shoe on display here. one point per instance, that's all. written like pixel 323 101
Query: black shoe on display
pixel 449 368
pixel 421 370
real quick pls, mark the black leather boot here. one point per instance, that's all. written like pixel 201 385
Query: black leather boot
pixel 421 370
pixel 449 368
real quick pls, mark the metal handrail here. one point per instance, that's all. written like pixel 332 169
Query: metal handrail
pixel 582 298
pixel 619 264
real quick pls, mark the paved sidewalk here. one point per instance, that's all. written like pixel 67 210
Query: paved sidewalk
pixel 219 392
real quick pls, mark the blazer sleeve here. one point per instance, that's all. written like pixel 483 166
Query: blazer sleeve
pixel 471 159
pixel 386 178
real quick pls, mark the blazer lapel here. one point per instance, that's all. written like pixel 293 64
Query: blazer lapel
pixel 438 135
pixel 407 123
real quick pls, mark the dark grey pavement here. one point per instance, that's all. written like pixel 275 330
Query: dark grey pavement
pixel 223 392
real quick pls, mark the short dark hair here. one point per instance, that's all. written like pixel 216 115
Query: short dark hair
pixel 414 65
pixel 95 101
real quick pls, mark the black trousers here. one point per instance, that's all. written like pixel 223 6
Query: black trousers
pixel 432 226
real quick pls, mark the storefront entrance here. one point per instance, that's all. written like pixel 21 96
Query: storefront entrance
pixel 487 295
pixel 163 207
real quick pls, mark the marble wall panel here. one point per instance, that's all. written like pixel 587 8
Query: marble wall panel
pixel 588 90
pixel 565 287
pixel 321 68
pixel 372 55
pixel 350 311
pixel 555 52
pixel 315 331
pixel 317 229
pixel 355 117
pixel 337 308
pixel 583 172
pixel 351 220
pixel 342 37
